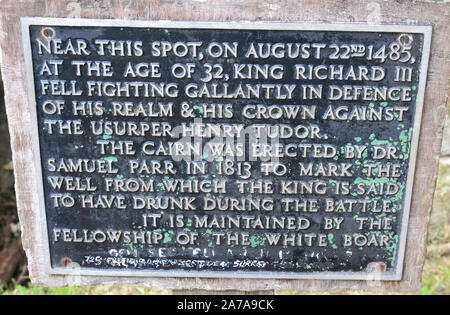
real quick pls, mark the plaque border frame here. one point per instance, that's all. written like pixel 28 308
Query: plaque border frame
pixel 425 30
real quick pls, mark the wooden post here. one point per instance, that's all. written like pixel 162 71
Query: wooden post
pixel 23 128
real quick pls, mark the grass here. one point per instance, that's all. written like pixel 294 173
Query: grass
pixel 115 289
pixel 435 277
pixel 38 290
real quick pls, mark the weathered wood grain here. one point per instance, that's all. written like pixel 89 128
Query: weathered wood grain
pixel 435 13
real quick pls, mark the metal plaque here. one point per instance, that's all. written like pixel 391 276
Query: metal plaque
pixel 239 150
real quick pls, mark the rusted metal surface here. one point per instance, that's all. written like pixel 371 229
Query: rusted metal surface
pixel 377 12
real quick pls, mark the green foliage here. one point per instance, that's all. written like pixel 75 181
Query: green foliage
pixel 17 289
pixel 81 290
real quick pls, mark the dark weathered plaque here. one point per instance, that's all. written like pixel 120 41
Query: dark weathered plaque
pixel 225 149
